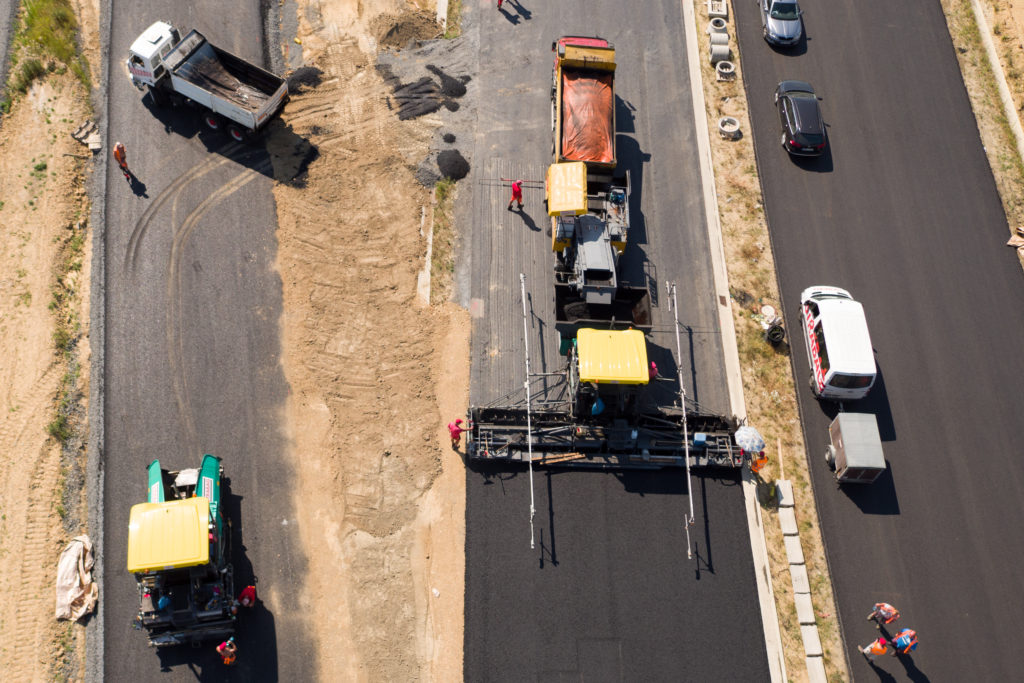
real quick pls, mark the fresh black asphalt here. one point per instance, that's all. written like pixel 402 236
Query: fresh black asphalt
pixel 903 212
pixel 192 354
pixel 608 592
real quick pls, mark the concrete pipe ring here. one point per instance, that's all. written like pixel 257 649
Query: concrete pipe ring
pixel 719 53
pixel 725 69
pixel 716 25
pixel 729 128
pixel 719 38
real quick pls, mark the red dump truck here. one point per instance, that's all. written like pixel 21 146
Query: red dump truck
pixel 583 101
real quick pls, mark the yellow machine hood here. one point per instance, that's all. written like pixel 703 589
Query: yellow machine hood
pixel 169 535
pixel 566 187
pixel 612 356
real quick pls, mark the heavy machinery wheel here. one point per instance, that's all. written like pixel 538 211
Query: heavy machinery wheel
pixel 212 121
pixel 238 134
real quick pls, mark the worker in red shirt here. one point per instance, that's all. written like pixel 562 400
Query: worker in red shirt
pixel 455 429
pixel 904 642
pixel 247 598
pixel 883 613
pixel 878 647
pixel 517 194
pixel 228 651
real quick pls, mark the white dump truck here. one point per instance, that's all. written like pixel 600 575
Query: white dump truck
pixel 235 95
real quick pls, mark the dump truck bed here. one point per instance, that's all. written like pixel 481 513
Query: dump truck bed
pixel 224 83
pixel 584 101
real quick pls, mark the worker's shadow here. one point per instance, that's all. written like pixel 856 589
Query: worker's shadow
pixel 530 223
pixel 138 187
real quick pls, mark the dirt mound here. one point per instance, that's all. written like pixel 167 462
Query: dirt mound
pixel 397 31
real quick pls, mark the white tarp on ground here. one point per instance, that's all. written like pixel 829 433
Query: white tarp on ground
pixel 76 592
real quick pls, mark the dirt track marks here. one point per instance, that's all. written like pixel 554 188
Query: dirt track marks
pixel 349 251
pixel 32 477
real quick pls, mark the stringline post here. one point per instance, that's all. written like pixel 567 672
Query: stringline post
pixel 526 388
pixel 671 287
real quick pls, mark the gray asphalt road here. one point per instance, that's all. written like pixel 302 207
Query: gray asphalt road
pixel 192 353
pixel 905 215
pixel 607 594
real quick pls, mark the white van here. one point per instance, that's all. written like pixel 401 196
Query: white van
pixel 839 348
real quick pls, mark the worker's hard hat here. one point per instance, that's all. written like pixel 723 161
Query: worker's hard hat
pixel 458 420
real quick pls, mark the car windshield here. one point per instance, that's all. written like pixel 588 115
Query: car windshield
pixel 784 10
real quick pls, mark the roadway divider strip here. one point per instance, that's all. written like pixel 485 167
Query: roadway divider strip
pixel 731 360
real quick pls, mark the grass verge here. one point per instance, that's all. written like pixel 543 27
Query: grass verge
pixel 46 42
pixel 453 24
pixel 980 82
pixel 442 255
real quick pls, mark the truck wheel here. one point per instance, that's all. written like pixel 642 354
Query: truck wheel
pixel 237 134
pixel 830 456
pixel 159 97
pixel 212 121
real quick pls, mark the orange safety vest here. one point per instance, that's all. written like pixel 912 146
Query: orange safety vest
pixel 759 462
pixel 878 647
pixel 119 155
pixel 887 612
pixel 905 640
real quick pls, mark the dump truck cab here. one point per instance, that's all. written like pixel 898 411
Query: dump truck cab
pixel 146 55
pixel 179 551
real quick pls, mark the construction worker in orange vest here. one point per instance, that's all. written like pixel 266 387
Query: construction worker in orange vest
pixel 904 642
pixel 883 613
pixel 757 462
pixel 121 157
pixel 878 647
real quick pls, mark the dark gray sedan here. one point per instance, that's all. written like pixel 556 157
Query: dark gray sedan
pixel 803 130
pixel 781 23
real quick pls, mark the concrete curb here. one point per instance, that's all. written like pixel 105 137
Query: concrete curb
pixel 94 634
pixel 730 350
pixel 814 655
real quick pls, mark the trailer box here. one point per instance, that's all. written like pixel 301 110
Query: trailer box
pixel 856 449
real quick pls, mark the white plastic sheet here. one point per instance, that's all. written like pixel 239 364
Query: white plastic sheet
pixel 76 592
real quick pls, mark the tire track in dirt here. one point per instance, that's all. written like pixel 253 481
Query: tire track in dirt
pixel 359 361
pixel 32 530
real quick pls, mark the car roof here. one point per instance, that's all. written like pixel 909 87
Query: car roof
pixel 846 336
pixel 808 114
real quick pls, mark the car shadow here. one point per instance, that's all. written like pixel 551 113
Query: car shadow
pixel 820 164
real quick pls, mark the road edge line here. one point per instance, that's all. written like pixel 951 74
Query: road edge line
pixel 730 350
